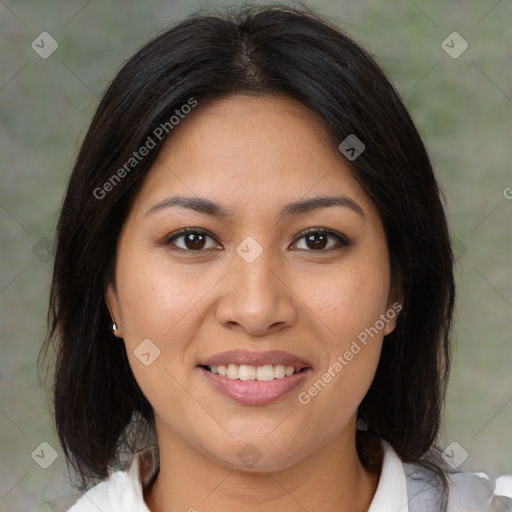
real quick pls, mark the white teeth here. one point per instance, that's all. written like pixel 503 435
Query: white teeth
pixel 265 372
pixel 232 371
pixel 261 373
pixel 279 371
pixel 246 372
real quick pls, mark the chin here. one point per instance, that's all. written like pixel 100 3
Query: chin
pixel 263 463
pixel 259 454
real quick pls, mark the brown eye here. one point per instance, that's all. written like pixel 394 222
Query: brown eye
pixel 194 240
pixel 317 240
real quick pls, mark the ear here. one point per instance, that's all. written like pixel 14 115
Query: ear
pixel 392 312
pixel 112 301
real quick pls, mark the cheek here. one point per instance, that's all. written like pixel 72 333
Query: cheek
pixel 157 305
pixel 347 300
pixel 156 298
pixel 347 306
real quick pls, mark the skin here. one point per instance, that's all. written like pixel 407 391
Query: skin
pixel 253 155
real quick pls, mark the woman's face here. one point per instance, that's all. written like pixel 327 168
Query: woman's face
pixel 243 285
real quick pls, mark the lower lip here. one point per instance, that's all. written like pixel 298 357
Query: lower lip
pixel 254 392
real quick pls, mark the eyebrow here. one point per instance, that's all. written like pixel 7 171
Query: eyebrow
pixel 208 207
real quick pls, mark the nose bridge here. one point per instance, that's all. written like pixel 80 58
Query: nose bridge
pixel 255 296
pixel 252 266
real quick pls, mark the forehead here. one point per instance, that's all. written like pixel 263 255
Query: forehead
pixel 250 152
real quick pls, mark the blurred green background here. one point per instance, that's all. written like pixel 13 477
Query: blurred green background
pixel 462 107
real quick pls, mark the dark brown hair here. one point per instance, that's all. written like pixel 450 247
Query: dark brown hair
pixel 255 50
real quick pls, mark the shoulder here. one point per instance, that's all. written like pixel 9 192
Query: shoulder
pixel 116 493
pixel 407 487
pixel 480 491
pixel 122 490
pixel 468 491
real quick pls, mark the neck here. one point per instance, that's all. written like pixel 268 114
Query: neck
pixel 330 479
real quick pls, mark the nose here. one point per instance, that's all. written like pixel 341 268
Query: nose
pixel 257 297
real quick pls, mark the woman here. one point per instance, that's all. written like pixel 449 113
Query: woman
pixel 253 284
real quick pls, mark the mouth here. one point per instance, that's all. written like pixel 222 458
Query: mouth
pixel 263 373
pixel 252 378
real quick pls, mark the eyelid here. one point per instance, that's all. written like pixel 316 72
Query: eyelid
pixel 181 232
pixel 343 240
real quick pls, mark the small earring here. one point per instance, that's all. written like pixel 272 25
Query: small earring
pixel 114 327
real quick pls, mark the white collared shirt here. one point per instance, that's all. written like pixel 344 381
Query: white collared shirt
pixel 402 488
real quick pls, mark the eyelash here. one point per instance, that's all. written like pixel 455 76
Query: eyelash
pixel 342 240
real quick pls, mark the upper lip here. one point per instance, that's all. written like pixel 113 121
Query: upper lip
pixel 251 358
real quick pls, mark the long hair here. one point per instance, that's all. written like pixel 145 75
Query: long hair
pixel 254 50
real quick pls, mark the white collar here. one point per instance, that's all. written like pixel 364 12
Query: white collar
pixel 391 494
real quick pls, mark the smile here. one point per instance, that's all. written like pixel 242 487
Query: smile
pixel 260 373
pixel 254 391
